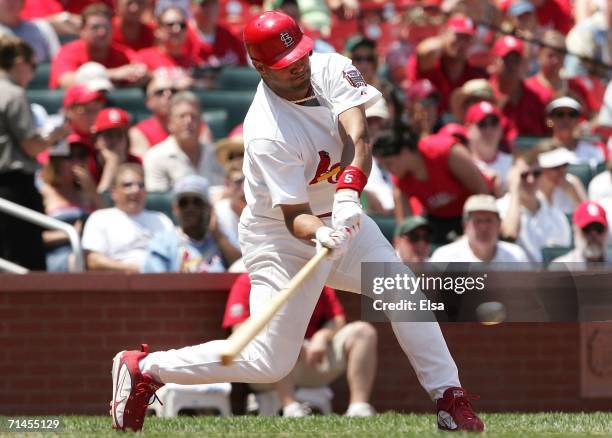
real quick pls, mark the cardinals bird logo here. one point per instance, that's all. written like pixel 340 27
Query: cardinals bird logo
pixel 324 171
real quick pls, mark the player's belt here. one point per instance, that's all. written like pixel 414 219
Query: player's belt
pixel 324 215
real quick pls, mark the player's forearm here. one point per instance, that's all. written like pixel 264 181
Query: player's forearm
pixel 300 221
pixel 354 133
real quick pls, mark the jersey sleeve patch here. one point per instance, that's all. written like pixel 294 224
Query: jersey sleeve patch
pixel 354 78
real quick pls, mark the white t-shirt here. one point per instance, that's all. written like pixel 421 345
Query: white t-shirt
pixel 380 185
pixel 122 237
pixel 500 165
pixel 227 220
pixel 587 152
pixel 292 152
pixel 460 251
pixel 166 163
pixel 600 187
pixel 563 201
pixel 547 227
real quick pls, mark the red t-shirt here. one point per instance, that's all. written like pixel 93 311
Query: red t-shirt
pixel 237 306
pixel 227 48
pixel 441 194
pixel 556 14
pixel 528 115
pixel 437 77
pixel 74 54
pixel 40 9
pixel 146 38
pixel 153 130
pixel 154 58
pixel 546 94
pixel 595 90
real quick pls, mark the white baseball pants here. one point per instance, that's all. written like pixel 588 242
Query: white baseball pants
pixel 272 257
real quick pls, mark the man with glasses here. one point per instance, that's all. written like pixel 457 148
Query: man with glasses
pixel 412 240
pixel 95 45
pixel 517 101
pixel 590 236
pixel 116 239
pixel 197 244
pixel 528 219
pixel 171 49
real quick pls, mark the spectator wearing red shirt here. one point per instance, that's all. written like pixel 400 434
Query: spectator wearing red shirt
pixel 172 49
pixel 95 45
pixel 442 59
pixel 548 83
pixel 208 36
pixel 437 170
pixel 518 101
pixel 555 14
pixel 129 30
pixel 331 347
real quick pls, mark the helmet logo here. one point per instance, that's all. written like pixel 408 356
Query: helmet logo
pixel 286 39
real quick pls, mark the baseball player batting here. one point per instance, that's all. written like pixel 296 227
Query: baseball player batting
pixel 309 109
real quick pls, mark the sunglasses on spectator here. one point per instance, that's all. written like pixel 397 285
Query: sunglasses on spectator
pixel 489 122
pixel 130 184
pixel 565 114
pixel 418 237
pixel 371 58
pixel 535 172
pixel 594 227
pixel 160 92
pixel 173 24
pixel 187 201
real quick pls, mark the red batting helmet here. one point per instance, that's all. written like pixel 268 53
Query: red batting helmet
pixel 276 40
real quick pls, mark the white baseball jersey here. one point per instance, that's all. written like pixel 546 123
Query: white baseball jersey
pixel 292 152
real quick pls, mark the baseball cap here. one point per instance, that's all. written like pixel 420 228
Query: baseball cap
pixel 411 223
pixel 506 45
pixel 461 24
pixel 275 39
pixel 110 118
pixel 81 95
pixel 564 102
pixel 421 89
pixel 378 109
pixel 589 212
pixel 555 158
pixel 479 111
pixel 480 203
pixel 520 7
pixel 232 144
pixel 94 76
pixel 191 185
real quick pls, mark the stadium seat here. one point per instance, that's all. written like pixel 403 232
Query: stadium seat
pixel 524 143
pixel 582 171
pixel 386 225
pixel 236 103
pixel 131 99
pixel 41 77
pixel 179 399
pixel 217 122
pixel 549 253
pixel 601 167
pixel 51 100
pixel 238 78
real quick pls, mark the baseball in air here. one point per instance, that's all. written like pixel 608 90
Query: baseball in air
pixel 491 312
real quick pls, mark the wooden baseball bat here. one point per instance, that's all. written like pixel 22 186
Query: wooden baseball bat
pixel 252 326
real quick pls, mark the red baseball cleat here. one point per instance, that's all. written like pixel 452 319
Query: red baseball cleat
pixel 131 390
pixel 455 412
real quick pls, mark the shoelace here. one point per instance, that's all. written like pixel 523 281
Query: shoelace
pixel 463 405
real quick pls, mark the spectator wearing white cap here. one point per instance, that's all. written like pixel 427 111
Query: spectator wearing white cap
pixel 484 134
pixel 94 76
pixel 590 235
pixel 197 244
pixel 561 190
pixel 563 117
pixel 481 240
pixel 527 218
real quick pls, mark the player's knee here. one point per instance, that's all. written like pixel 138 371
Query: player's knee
pixel 364 332
pixel 276 372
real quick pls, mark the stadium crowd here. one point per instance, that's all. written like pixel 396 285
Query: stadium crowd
pixel 492 141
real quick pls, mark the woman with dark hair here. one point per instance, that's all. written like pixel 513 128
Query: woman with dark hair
pixel 437 171
pixel 69 194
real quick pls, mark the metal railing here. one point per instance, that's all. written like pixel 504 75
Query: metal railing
pixel 44 221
